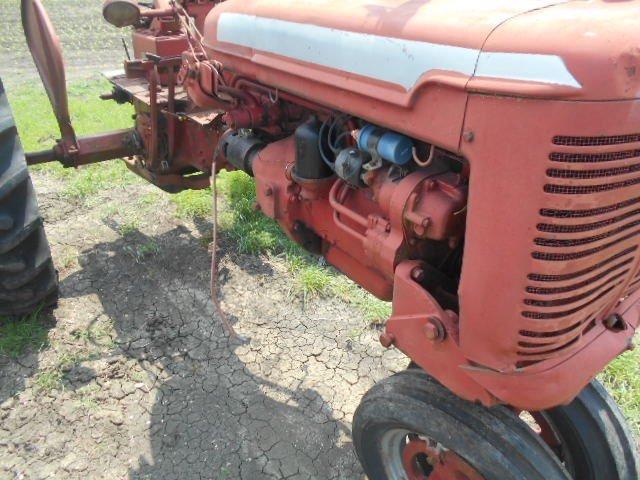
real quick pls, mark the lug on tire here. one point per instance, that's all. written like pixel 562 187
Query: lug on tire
pixel 410 427
pixel 28 279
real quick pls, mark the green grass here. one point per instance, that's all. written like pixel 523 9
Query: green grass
pixel 38 127
pixel 19 335
pixel 192 204
pixel 622 379
pixel 38 131
pixel 49 380
pixel 129 227
pixel 143 251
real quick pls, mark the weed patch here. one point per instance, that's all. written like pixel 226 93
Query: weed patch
pixel 141 252
pixel 49 380
pixel 622 379
pixel 19 335
pixel 192 204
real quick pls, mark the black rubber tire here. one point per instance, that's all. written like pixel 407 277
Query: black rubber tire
pixel 494 441
pixel 596 441
pixel 28 279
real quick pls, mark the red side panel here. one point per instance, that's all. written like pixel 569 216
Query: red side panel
pixel 552 243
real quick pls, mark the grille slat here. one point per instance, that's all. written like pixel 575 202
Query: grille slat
pixel 589 189
pixel 546 277
pixel 576 242
pixel 577 286
pixel 560 301
pixel 591 212
pixel 566 157
pixel 563 257
pixel 585 227
pixel 548 354
pixel 538 315
pixel 534 339
pixel 584 257
pixel 582 174
pixel 595 141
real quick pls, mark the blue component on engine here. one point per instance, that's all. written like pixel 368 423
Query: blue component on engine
pixel 391 146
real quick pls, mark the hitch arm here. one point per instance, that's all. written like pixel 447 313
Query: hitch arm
pixel 90 149
pixel 70 150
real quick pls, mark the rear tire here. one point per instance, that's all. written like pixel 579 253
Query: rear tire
pixel 28 279
pixel 494 442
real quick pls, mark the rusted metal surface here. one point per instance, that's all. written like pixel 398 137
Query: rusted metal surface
pixel 509 238
pixel 46 51
pixel 171 183
pixel 90 149
pixel 421 455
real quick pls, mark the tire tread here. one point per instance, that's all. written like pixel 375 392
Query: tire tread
pixel 28 279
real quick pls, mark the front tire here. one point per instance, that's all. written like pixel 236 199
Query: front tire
pixel 28 279
pixel 591 437
pixel 410 427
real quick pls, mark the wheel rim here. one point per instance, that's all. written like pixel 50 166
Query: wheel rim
pixel 553 438
pixel 412 456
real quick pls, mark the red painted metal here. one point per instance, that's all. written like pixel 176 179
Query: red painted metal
pixel 46 51
pixel 543 199
pixel 47 54
pixel 444 464
pixel 363 232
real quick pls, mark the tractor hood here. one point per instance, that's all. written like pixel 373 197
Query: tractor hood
pixel 568 49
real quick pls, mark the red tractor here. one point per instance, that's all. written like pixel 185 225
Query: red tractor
pixel 478 163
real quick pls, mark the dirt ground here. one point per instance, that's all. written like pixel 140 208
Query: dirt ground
pixel 140 382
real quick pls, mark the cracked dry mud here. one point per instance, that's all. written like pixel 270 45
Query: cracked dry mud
pixel 149 387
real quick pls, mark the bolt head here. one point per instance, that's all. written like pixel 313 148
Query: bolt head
pixel 387 339
pixel 431 331
pixel 434 330
pixel 417 274
pixel 615 323
pixel 631 346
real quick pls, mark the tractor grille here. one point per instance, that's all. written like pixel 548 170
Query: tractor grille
pixel 584 257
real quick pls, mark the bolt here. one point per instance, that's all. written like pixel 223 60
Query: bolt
pixel 387 339
pixel 268 192
pixel 431 331
pixel 469 136
pixel 417 274
pixel 434 330
pixel 630 345
pixel 615 323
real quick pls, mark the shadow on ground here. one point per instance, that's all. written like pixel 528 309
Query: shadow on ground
pixel 213 408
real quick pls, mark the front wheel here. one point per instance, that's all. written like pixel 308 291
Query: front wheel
pixel 591 437
pixel 409 427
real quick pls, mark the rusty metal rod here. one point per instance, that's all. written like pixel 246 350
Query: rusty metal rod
pixel 91 149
